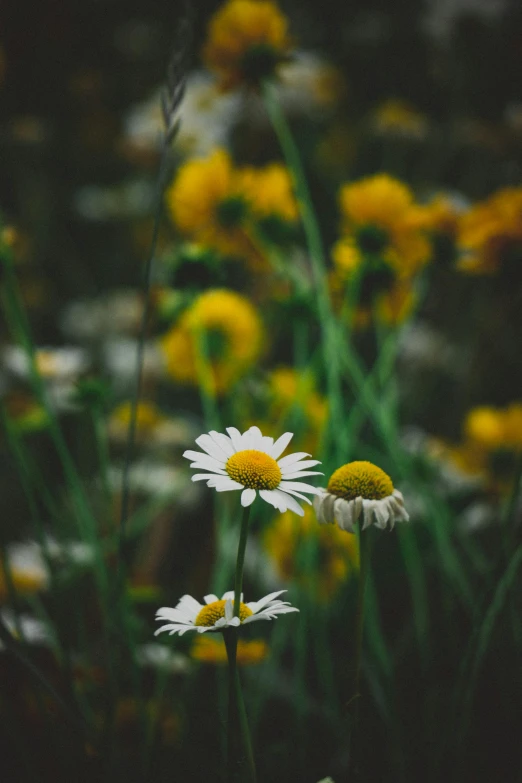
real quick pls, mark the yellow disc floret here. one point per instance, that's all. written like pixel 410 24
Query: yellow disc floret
pixel 254 469
pixel 211 613
pixel 360 479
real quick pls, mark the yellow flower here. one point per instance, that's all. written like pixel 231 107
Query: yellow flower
pixel 442 215
pixel 211 650
pixel 148 416
pixel 399 118
pixel 270 192
pixel 221 207
pixel 495 428
pixel 492 438
pixel 246 41
pixel 490 232
pixel 485 427
pixel 360 493
pixel 216 341
pixel 207 204
pixel 513 426
pixel 319 558
pixel 379 215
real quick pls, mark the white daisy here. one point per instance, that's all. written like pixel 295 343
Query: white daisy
pixel 216 614
pixel 360 490
pixel 249 461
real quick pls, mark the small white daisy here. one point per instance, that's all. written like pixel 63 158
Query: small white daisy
pixel 249 461
pixel 360 490
pixel 216 614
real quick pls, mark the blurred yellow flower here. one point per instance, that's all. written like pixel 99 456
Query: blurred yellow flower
pixel 220 206
pixel 206 203
pixel 492 439
pixel 398 118
pixel 216 341
pixel 270 192
pixel 148 417
pixel 490 232
pixel 246 41
pixel 495 428
pixel 209 649
pixel 319 558
pixel 379 217
pixel 485 427
pixel 442 215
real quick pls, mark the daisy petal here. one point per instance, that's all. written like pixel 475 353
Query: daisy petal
pixel 257 605
pixel 289 502
pixel 274 500
pixel 223 441
pixel 300 486
pixel 281 444
pixel 211 447
pixel 210 598
pixel 203 476
pixel 302 474
pixel 291 458
pixel 236 438
pixel 247 497
pixel 308 463
pixel 296 494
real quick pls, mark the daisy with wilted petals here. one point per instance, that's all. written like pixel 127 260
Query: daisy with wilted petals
pixel 250 461
pixel 360 490
pixel 217 614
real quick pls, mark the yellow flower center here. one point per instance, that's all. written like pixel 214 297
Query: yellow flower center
pixel 213 612
pixel 360 479
pixel 254 469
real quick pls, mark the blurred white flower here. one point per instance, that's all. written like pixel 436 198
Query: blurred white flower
pixel 206 118
pixel 159 656
pixel 116 313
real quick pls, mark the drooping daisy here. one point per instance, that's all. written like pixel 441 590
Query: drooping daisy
pixel 249 461
pixel 360 490
pixel 217 614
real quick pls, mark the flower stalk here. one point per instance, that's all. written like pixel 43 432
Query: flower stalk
pixel 364 543
pixel 240 760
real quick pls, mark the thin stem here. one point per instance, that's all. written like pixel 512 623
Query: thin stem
pixel 364 542
pixel 243 536
pixel 240 760
pixel 317 258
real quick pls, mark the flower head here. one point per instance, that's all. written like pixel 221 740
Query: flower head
pixel 250 461
pixel 490 234
pixel 228 327
pixel 217 614
pixel 247 39
pixel 380 220
pixel 360 489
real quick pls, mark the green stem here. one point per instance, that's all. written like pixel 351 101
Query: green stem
pixel 317 259
pixel 240 760
pixel 364 541
pixel 238 583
